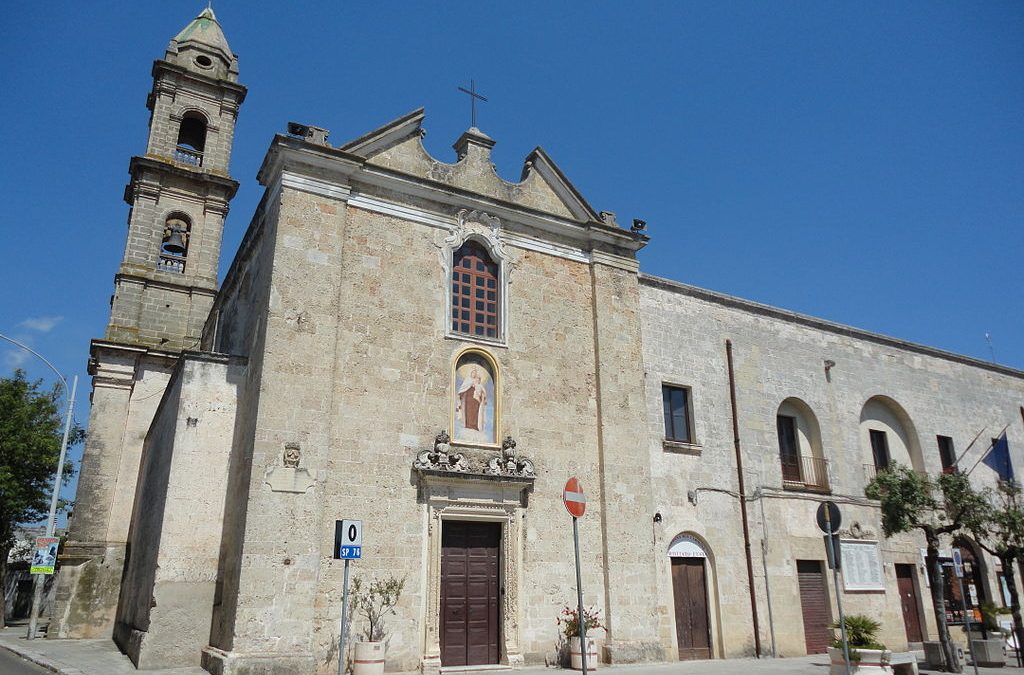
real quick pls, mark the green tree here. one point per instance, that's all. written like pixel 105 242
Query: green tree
pixel 1003 537
pixel 937 508
pixel 31 429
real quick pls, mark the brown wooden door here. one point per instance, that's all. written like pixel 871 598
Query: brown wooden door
pixel 469 593
pixel 908 600
pixel 689 586
pixel 814 606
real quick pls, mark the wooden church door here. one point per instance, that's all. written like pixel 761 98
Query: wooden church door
pixel 470 593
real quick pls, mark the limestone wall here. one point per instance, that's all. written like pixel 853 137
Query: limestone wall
pixel 778 356
pixel 167 591
pixel 126 391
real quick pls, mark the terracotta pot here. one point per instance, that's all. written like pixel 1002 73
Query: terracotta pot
pixel 576 656
pixel 368 659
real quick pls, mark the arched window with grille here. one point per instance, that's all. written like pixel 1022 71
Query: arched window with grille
pixel 476 295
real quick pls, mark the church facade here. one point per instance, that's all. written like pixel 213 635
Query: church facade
pixel 434 351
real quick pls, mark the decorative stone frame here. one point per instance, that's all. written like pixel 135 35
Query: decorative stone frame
pixel 486 231
pixel 496 376
pixel 475 497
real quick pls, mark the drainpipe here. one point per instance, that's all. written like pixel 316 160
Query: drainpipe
pixel 743 500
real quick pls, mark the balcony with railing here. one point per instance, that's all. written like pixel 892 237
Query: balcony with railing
pixel 188 156
pixel 805 473
pixel 175 264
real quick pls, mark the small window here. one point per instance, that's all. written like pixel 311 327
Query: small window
pixel 676 405
pixel 947 454
pixel 477 273
pixel 879 449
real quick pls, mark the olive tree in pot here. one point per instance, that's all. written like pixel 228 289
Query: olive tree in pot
pixel 373 601
pixel 867 654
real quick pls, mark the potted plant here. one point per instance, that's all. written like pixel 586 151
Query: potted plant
pixel 987 638
pixel 569 624
pixel 373 601
pixel 867 654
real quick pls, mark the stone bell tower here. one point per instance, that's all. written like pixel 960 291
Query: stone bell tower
pixel 178 192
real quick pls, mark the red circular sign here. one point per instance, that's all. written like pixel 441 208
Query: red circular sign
pixel 573 498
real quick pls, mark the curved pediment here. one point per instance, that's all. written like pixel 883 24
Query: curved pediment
pixel 398 146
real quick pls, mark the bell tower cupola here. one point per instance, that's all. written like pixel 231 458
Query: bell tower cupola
pixel 179 193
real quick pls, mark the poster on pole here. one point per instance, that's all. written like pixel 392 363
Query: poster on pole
pixel 44 558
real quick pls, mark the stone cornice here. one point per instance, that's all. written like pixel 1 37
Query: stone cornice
pixel 337 173
pixel 158 165
pixel 159 66
pixel 822 324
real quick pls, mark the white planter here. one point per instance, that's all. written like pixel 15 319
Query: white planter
pixel 988 653
pixel 873 661
pixel 576 656
pixel 368 659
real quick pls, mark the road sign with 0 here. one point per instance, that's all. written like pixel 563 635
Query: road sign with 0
pixel 348 539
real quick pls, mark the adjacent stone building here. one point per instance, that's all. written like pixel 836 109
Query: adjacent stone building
pixel 433 350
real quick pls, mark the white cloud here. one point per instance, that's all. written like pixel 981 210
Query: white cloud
pixel 15 358
pixel 43 324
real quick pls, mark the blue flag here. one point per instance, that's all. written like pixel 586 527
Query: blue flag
pixel 998 458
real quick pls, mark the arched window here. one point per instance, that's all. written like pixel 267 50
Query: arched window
pixel 800 454
pixel 887 436
pixel 174 245
pixel 475 292
pixel 191 139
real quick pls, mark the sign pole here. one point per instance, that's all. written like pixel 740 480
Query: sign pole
pixel 344 620
pixel 835 580
pixel 967 622
pixel 348 546
pixel 579 596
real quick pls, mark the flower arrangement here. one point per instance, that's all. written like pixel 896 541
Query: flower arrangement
pixel 569 621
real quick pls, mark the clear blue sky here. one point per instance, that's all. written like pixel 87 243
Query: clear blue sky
pixel 860 162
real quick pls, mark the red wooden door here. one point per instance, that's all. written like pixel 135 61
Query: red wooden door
pixel 689 586
pixel 814 606
pixel 470 593
pixel 908 600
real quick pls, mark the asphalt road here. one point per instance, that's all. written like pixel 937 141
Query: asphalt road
pixel 11 664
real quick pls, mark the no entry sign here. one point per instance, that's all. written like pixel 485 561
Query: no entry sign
pixel 574 499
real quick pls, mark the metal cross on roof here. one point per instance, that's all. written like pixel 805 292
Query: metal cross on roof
pixel 473 96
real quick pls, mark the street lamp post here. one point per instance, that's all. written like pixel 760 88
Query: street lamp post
pixel 51 521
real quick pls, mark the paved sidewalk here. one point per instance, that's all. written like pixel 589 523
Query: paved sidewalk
pixel 78 657
pixel 101 657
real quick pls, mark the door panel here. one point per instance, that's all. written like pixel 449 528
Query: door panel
pixel 908 601
pixel 814 606
pixel 689 587
pixel 470 593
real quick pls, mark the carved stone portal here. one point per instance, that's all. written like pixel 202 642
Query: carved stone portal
pixel 475 485
pixel 454 496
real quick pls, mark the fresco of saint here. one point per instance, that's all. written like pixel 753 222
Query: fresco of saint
pixel 474 401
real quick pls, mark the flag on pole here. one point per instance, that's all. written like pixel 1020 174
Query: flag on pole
pixel 998 458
